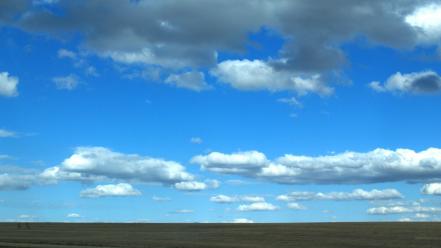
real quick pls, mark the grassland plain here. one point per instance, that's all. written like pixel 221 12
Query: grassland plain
pixel 323 235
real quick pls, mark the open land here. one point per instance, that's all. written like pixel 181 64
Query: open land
pixel 303 235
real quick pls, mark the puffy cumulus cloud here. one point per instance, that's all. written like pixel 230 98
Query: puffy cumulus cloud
pixel 197 186
pixel 8 85
pixel 295 206
pixel 192 80
pixel 384 210
pixel 69 82
pixel 182 34
pixel 379 165
pixel 231 199
pixel 7 133
pixel 259 75
pixel 257 206
pixel 121 189
pixel 235 163
pixel 190 186
pixel 100 163
pixel 432 189
pixel 417 83
pixel 357 194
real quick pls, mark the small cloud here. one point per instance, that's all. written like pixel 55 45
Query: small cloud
pixel 196 140
pixel 295 206
pixel 190 186
pixel 7 134
pixel 432 189
pixel 25 216
pixel 73 215
pixel 258 206
pixel 290 101
pixel 8 85
pixel 212 183
pixel 416 83
pixel 64 53
pixel 192 80
pixel 121 189
pixel 69 82
pixel 160 199
pixel 183 211
pixel 242 221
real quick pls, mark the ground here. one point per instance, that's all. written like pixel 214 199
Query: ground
pixel 321 235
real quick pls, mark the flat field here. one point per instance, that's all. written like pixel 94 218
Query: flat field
pixel 320 235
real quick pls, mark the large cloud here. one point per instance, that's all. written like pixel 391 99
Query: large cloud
pixel 379 165
pixel 417 83
pixel 8 85
pixel 357 194
pixel 100 163
pixel 178 34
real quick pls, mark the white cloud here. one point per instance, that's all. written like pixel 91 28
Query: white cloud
pixel 121 189
pixel 357 194
pixel 379 165
pixel 7 133
pixel 184 211
pixel 196 140
pixel 16 181
pixel 25 216
pixel 416 82
pixel 432 189
pixel 258 206
pixel 212 183
pixel 190 186
pixel 73 215
pixel 69 82
pixel 259 75
pixel 295 206
pixel 290 101
pixel 160 198
pixel 8 85
pixel 231 199
pixel 192 80
pixel 64 53
pixel 384 210
pixel 223 199
pixel 422 216
pixel 427 22
pixel 100 163
pixel 242 221
pixel 240 162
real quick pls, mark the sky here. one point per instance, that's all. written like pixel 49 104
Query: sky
pixel 220 111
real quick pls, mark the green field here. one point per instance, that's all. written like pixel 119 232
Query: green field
pixel 399 235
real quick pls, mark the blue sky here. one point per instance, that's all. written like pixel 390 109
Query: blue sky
pixel 274 111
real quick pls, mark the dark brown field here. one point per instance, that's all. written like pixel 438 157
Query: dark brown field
pixel 399 235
